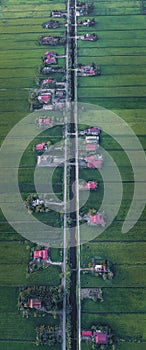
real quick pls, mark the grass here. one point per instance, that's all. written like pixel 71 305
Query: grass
pixel 7 345
pixel 127 326
pixel 120 51
pixel 125 300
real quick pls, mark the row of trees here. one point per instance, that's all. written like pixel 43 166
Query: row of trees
pixel 48 335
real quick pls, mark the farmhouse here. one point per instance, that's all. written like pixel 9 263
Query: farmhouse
pixel 91 147
pixel 100 268
pixel 52 40
pixel 100 337
pixel 90 185
pixel 94 220
pixel 92 139
pixel 47 69
pixel 88 37
pixel 41 254
pixel 97 336
pixel 51 24
pixel 94 161
pixel 86 334
pixel 94 131
pixel 34 304
pixel 87 22
pixel 88 70
pixel 50 57
pixel 43 121
pixel 58 14
pixel 41 146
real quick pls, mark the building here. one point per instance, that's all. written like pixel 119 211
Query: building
pixel 41 254
pixel 86 334
pixel 100 337
pixel 34 304
pixel 90 185
pixel 91 147
pixel 94 161
pixel 96 219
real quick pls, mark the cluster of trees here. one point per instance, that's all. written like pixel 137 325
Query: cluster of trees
pixel 51 297
pixel 48 335
pixel 40 208
pixel 112 340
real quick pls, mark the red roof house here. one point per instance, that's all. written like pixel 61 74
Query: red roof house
pixel 41 146
pixel 44 121
pixel 97 219
pixel 91 147
pixel 86 334
pixel 50 57
pixel 94 161
pixel 45 98
pixel 101 337
pixel 34 304
pixel 43 254
pixel 90 185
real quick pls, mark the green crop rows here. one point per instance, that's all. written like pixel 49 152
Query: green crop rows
pixel 121 52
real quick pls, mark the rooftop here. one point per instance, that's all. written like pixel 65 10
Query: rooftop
pixel 43 254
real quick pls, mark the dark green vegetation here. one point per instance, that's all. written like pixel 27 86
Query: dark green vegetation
pixel 20 59
pixel 121 52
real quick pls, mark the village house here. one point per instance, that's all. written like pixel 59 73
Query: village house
pixel 42 254
pixel 87 22
pixel 91 147
pixel 88 37
pixel 95 219
pixel 34 304
pixel 94 161
pixel 94 131
pixel 97 336
pixel 90 185
pixel 43 121
pixel 50 57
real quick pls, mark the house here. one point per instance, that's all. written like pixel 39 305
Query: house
pixel 52 40
pixel 34 304
pixel 100 268
pixel 94 161
pixel 86 334
pixel 91 147
pixel 92 139
pixel 50 58
pixel 90 185
pixel 89 37
pixel 88 22
pixel 51 24
pixel 100 337
pixel 58 14
pixel 43 121
pixel 41 146
pixel 41 254
pixel 45 99
pixel 95 220
pixel 94 131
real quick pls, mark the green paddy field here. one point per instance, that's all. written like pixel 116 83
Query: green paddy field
pixel 121 52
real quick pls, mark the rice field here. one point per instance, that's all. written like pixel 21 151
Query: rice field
pixel 121 53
